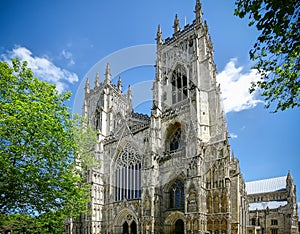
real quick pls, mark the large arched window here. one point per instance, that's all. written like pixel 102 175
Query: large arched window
pixel 179 84
pixel 128 174
pixel 177 195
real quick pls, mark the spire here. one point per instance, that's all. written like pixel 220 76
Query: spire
pixel 176 24
pixel 205 26
pixel 129 96
pixel 120 84
pixel 87 85
pixel 158 35
pixel 129 93
pixel 232 156
pixel 107 73
pixel 289 178
pixel 97 80
pixel 198 12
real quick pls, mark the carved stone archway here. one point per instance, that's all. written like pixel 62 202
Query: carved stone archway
pixel 175 223
pixel 126 222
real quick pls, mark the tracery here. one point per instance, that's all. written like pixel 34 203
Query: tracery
pixel 128 174
pixel 179 84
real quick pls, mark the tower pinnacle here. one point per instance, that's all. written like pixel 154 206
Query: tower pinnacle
pixel 198 11
pixel 176 24
pixel 120 84
pixel 107 73
pixel 158 35
pixel 97 80
pixel 129 96
pixel 87 85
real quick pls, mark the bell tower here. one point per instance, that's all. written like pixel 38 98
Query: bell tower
pixel 186 78
pixel 188 133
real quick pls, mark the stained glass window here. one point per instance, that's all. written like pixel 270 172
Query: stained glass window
pixel 177 195
pixel 128 174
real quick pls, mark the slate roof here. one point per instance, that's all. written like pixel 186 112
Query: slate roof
pixel 266 185
pixel 264 205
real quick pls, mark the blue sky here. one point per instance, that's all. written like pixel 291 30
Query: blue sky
pixel 63 40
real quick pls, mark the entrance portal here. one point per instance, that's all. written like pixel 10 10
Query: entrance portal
pixel 125 228
pixel 129 229
pixel 179 227
pixel 133 228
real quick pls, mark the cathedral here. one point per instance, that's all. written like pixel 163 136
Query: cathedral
pixel 173 171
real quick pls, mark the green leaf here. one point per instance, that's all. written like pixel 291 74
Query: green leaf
pixel 38 149
pixel 276 51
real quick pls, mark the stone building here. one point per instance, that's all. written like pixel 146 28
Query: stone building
pixel 272 205
pixel 172 171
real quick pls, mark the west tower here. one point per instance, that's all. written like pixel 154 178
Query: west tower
pixel 190 154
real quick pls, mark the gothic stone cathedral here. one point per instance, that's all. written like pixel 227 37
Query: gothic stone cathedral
pixel 171 172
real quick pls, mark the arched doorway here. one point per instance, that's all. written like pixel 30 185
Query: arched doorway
pixel 179 227
pixel 125 223
pixel 125 228
pixel 133 229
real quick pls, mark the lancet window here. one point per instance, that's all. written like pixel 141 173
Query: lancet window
pixel 128 174
pixel 177 195
pixel 98 119
pixel 179 84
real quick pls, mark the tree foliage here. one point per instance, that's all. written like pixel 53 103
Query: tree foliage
pixel 277 49
pixel 52 222
pixel 39 173
pixel 85 138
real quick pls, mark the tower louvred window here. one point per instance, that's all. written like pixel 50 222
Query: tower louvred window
pixel 179 84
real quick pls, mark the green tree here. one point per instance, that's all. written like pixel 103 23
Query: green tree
pixel 22 223
pixel 40 174
pixel 85 138
pixel 277 50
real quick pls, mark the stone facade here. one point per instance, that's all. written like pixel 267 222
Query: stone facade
pixel 272 206
pixel 172 171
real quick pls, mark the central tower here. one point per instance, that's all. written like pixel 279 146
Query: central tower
pixel 185 79
pixel 191 170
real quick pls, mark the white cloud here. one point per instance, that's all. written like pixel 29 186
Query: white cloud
pixel 235 84
pixel 233 135
pixel 68 56
pixel 43 68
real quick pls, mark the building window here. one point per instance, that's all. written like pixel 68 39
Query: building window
pixel 274 222
pixel 174 137
pixel 274 231
pixel 179 84
pixel 177 195
pixel 128 174
pixel 175 140
pixel 98 120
